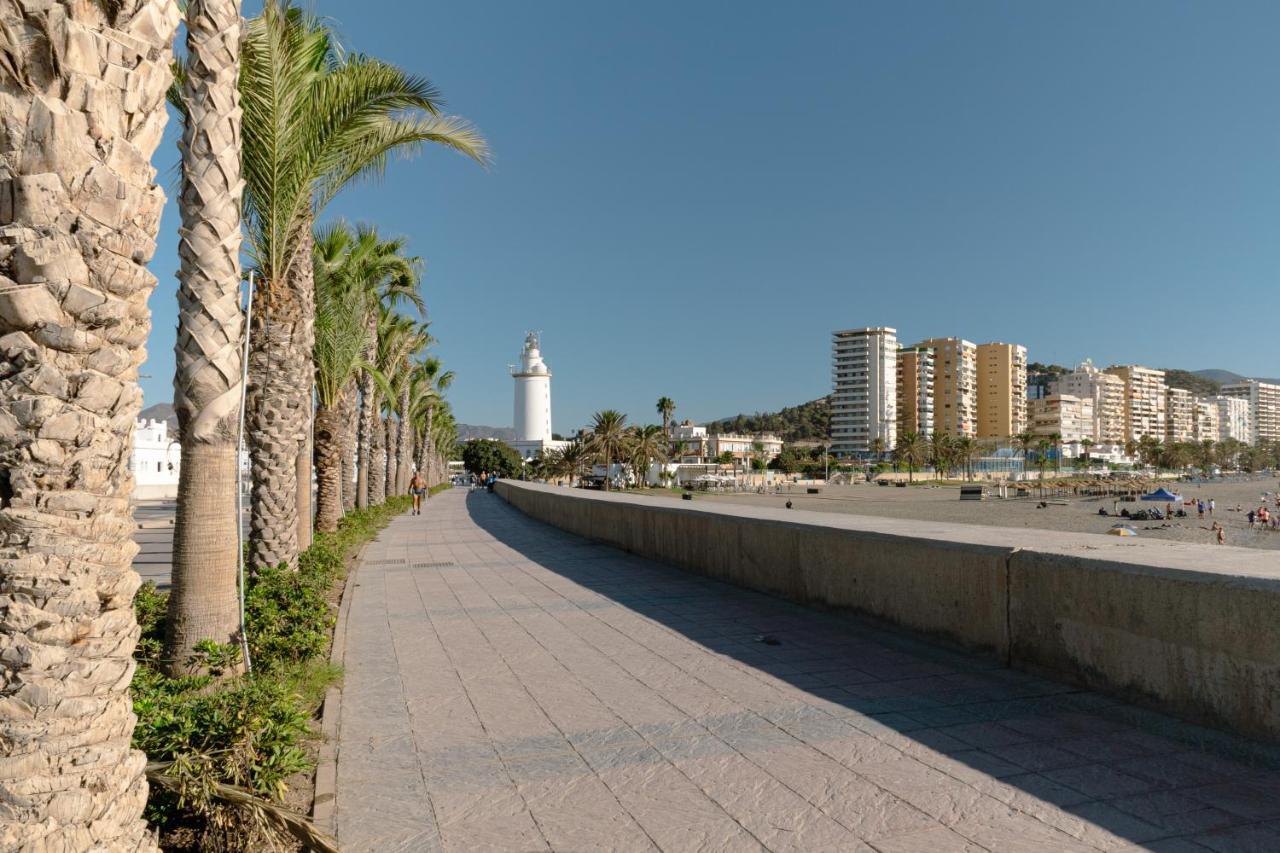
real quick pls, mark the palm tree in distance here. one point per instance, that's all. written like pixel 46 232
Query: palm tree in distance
pixel 315 120
pixel 940 453
pixel 878 447
pixel 666 407
pixel 648 444
pixel 965 449
pixel 1026 441
pixel 912 450
pixel 1087 444
pixel 608 432
pixel 1056 440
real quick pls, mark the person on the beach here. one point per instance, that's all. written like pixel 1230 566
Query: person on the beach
pixel 1221 533
pixel 1210 506
pixel 417 488
pixel 1200 509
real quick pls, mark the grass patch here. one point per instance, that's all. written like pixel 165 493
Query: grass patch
pixel 250 731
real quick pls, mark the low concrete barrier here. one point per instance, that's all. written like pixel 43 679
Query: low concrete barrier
pixel 1191 629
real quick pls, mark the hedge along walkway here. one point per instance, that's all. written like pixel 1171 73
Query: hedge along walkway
pixel 512 687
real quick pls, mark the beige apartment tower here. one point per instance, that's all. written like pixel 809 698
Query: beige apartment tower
pixel 1002 390
pixel 955 386
pixel 1180 416
pixel 1107 393
pixel 1145 401
pixel 915 391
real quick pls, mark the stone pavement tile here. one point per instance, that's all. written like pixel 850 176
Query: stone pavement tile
pixel 1255 799
pixel 580 813
pixel 1254 838
pixel 1038 756
pixel 1176 813
pixel 935 839
pixel 985 735
pixel 1101 825
pixel 1030 793
pixel 1166 845
pixel 1099 781
pixel 1011 831
pixel 969 765
pixel 1167 771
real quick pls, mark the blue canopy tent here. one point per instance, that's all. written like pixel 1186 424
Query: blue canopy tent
pixel 1163 495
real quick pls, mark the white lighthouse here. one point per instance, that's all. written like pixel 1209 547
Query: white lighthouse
pixel 532 420
pixel 533 393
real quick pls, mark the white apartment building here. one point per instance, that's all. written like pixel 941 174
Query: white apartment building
pixel 1180 416
pixel 955 386
pixel 1146 402
pixel 864 389
pixel 745 447
pixel 1234 421
pixel 1264 408
pixel 1107 393
pixel 1208 426
pixel 690 443
pixel 156 461
pixel 1071 418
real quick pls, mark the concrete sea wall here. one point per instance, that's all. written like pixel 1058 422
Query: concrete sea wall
pixel 1191 629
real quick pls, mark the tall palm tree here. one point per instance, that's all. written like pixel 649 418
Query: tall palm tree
pixel 666 407
pixel 1026 441
pixel 878 447
pixel 81 214
pixel 1087 444
pixel 940 453
pixel 608 431
pixel 648 444
pixel 1056 440
pixel 434 380
pixel 912 450
pixel 315 120
pixel 207 386
pixel 966 449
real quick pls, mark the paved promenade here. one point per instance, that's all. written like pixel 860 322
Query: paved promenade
pixel 510 687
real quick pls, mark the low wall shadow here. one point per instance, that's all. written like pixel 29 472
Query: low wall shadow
pixel 1066 747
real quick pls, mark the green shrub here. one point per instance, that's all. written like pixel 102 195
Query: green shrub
pixel 246 730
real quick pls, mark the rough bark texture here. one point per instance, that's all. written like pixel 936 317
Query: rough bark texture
pixel 82 108
pixel 329 470
pixel 349 415
pixel 392 455
pixel 207 387
pixel 404 446
pixel 366 419
pixel 377 459
pixel 281 375
pixel 302 280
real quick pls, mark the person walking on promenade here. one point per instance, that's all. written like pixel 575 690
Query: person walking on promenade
pixel 417 488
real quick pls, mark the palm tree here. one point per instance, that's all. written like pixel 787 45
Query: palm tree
pixel 1043 446
pixel 966 449
pixel 1026 441
pixel 341 306
pixel 570 460
pixel 432 382
pixel 1056 440
pixel 878 447
pixel 315 120
pixel 608 431
pixel 81 214
pixel 940 453
pixel 1087 444
pixel 912 450
pixel 666 407
pixel 648 445
pixel 207 386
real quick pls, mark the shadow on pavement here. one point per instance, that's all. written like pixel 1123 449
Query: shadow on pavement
pixel 1140 775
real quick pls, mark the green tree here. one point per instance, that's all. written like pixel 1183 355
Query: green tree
pixel 647 444
pixel 490 456
pixel 912 450
pixel 1026 441
pixel 941 452
pixel 608 434
pixel 666 407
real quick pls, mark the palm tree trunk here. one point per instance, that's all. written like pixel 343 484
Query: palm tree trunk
pixel 273 436
pixel 389 424
pixel 404 446
pixel 82 95
pixel 302 280
pixel 377 461
pixel 204 602
pixel 329 469
pixel 428 445
pixel 349 415
pixel 365 439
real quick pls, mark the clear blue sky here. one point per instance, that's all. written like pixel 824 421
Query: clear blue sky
pixel 688 197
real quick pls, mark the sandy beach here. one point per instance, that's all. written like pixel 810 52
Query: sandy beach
pixel 942 503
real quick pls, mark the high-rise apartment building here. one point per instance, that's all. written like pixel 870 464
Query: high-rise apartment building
pixel 1234 421
pixel 915 391
pixel 1145 401
pixel 1002 390
pixel 1264 407
pixel 864 373
pixel 1107 393
pixel 1180 415
pixel 1068 417
pixel 955 386
pixel 1208 425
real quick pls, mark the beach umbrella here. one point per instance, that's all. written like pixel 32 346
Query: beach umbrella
pixel 1121 530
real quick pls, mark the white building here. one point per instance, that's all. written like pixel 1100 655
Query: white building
pixel 1234 421
pixel 532 417
pixel 1264 408
pixel 1107 393
pixel 1068 417
pixel 155 461
pixel 864 372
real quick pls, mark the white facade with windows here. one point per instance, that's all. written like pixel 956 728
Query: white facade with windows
pixel 1264 408
pixel 155 461
pixel 864 372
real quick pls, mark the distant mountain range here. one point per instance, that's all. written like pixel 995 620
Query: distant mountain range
pixel 161 412
pixel 466 432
